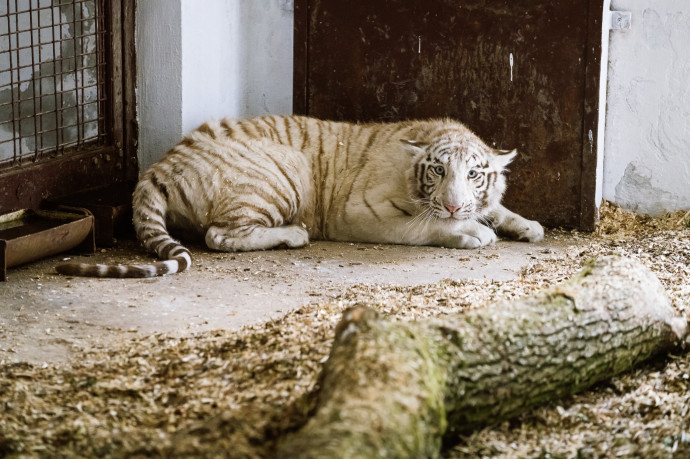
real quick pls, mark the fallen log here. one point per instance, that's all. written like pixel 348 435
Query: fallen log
pixel 396 389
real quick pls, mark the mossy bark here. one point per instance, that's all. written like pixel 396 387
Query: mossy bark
pixel 393 389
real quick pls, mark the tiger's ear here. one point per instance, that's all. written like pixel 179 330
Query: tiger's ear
pixel 504 157
pixel 413 146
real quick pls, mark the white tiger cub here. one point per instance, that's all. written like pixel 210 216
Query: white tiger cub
pixel 283 180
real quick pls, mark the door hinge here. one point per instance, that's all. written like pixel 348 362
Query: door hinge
pixel 621 20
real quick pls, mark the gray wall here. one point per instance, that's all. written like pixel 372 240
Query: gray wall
pixel 201 59
pixel 647 149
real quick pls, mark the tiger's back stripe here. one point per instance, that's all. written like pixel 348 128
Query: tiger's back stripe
pixel 282 205
pixel 293 186
pixel 208 130
pixel 302 123
pixel 363 158
pixel 249 128
pixel 371 139
pixel 185 158
pixel 183 194
pixel 272 131
pixel 155 182
pixel 259 168
pixel 286 130
pixel 265 175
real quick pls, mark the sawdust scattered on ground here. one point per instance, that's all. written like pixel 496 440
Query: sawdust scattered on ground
pixel 231 393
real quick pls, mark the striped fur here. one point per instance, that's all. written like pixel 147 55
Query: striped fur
pixel 283 180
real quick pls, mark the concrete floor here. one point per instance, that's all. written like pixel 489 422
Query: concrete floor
pixel 45 316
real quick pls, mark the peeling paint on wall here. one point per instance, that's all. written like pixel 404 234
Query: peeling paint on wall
pixel 636 192
pixel 647 151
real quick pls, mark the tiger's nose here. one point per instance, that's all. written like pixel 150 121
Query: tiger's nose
pixel 452 209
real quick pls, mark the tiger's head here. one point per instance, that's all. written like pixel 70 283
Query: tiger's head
pixel 456 175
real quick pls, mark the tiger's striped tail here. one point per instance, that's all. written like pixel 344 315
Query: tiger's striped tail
pixel 173 265
pixel 150 205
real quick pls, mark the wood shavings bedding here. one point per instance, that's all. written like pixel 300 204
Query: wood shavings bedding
pixel 229 394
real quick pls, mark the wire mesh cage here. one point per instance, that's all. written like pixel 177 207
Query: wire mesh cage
pixel 52 74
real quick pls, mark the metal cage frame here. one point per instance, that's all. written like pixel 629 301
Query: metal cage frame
pixel 67 118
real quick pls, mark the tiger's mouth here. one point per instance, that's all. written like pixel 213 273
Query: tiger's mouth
pixel 444 214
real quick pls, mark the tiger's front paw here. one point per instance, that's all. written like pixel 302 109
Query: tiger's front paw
pixel 484 234
pixel 533 233
pixel 475 235
pixel 295 236
pixel 514 226
pixel 524 230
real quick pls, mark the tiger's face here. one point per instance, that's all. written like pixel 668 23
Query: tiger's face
pixel 457 176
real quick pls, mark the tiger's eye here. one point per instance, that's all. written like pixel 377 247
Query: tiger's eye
pixel 472 173
pixel 440 170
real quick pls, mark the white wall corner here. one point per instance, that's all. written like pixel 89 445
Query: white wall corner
pixel 268 56
pixel 212 72
pixel 603 81
pixel 159 78
pixel 236 59
pixel 646 167
pixel 203 59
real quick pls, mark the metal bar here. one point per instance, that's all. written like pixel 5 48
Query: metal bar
pixel 39 114
pixel 57 94
pixel 63 73
pixel 15 122
pixel 59 59
pixel 76 69
pixel 100 71
pixel 80 65
pixel 33 82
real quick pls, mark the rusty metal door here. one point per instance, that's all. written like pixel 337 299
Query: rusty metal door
pixel 521 73
pixel 67 111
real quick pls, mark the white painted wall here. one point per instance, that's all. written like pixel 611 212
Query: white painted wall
pixel 212 57
pixel 647 145
pixel 603 78
pixel 267 27
pixel 202 59
pixel 159 81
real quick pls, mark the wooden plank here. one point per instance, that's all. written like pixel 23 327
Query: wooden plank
pixel 590 122
pixel 113 79
pixel 25 187
pixel 301 58
pixel 129 78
